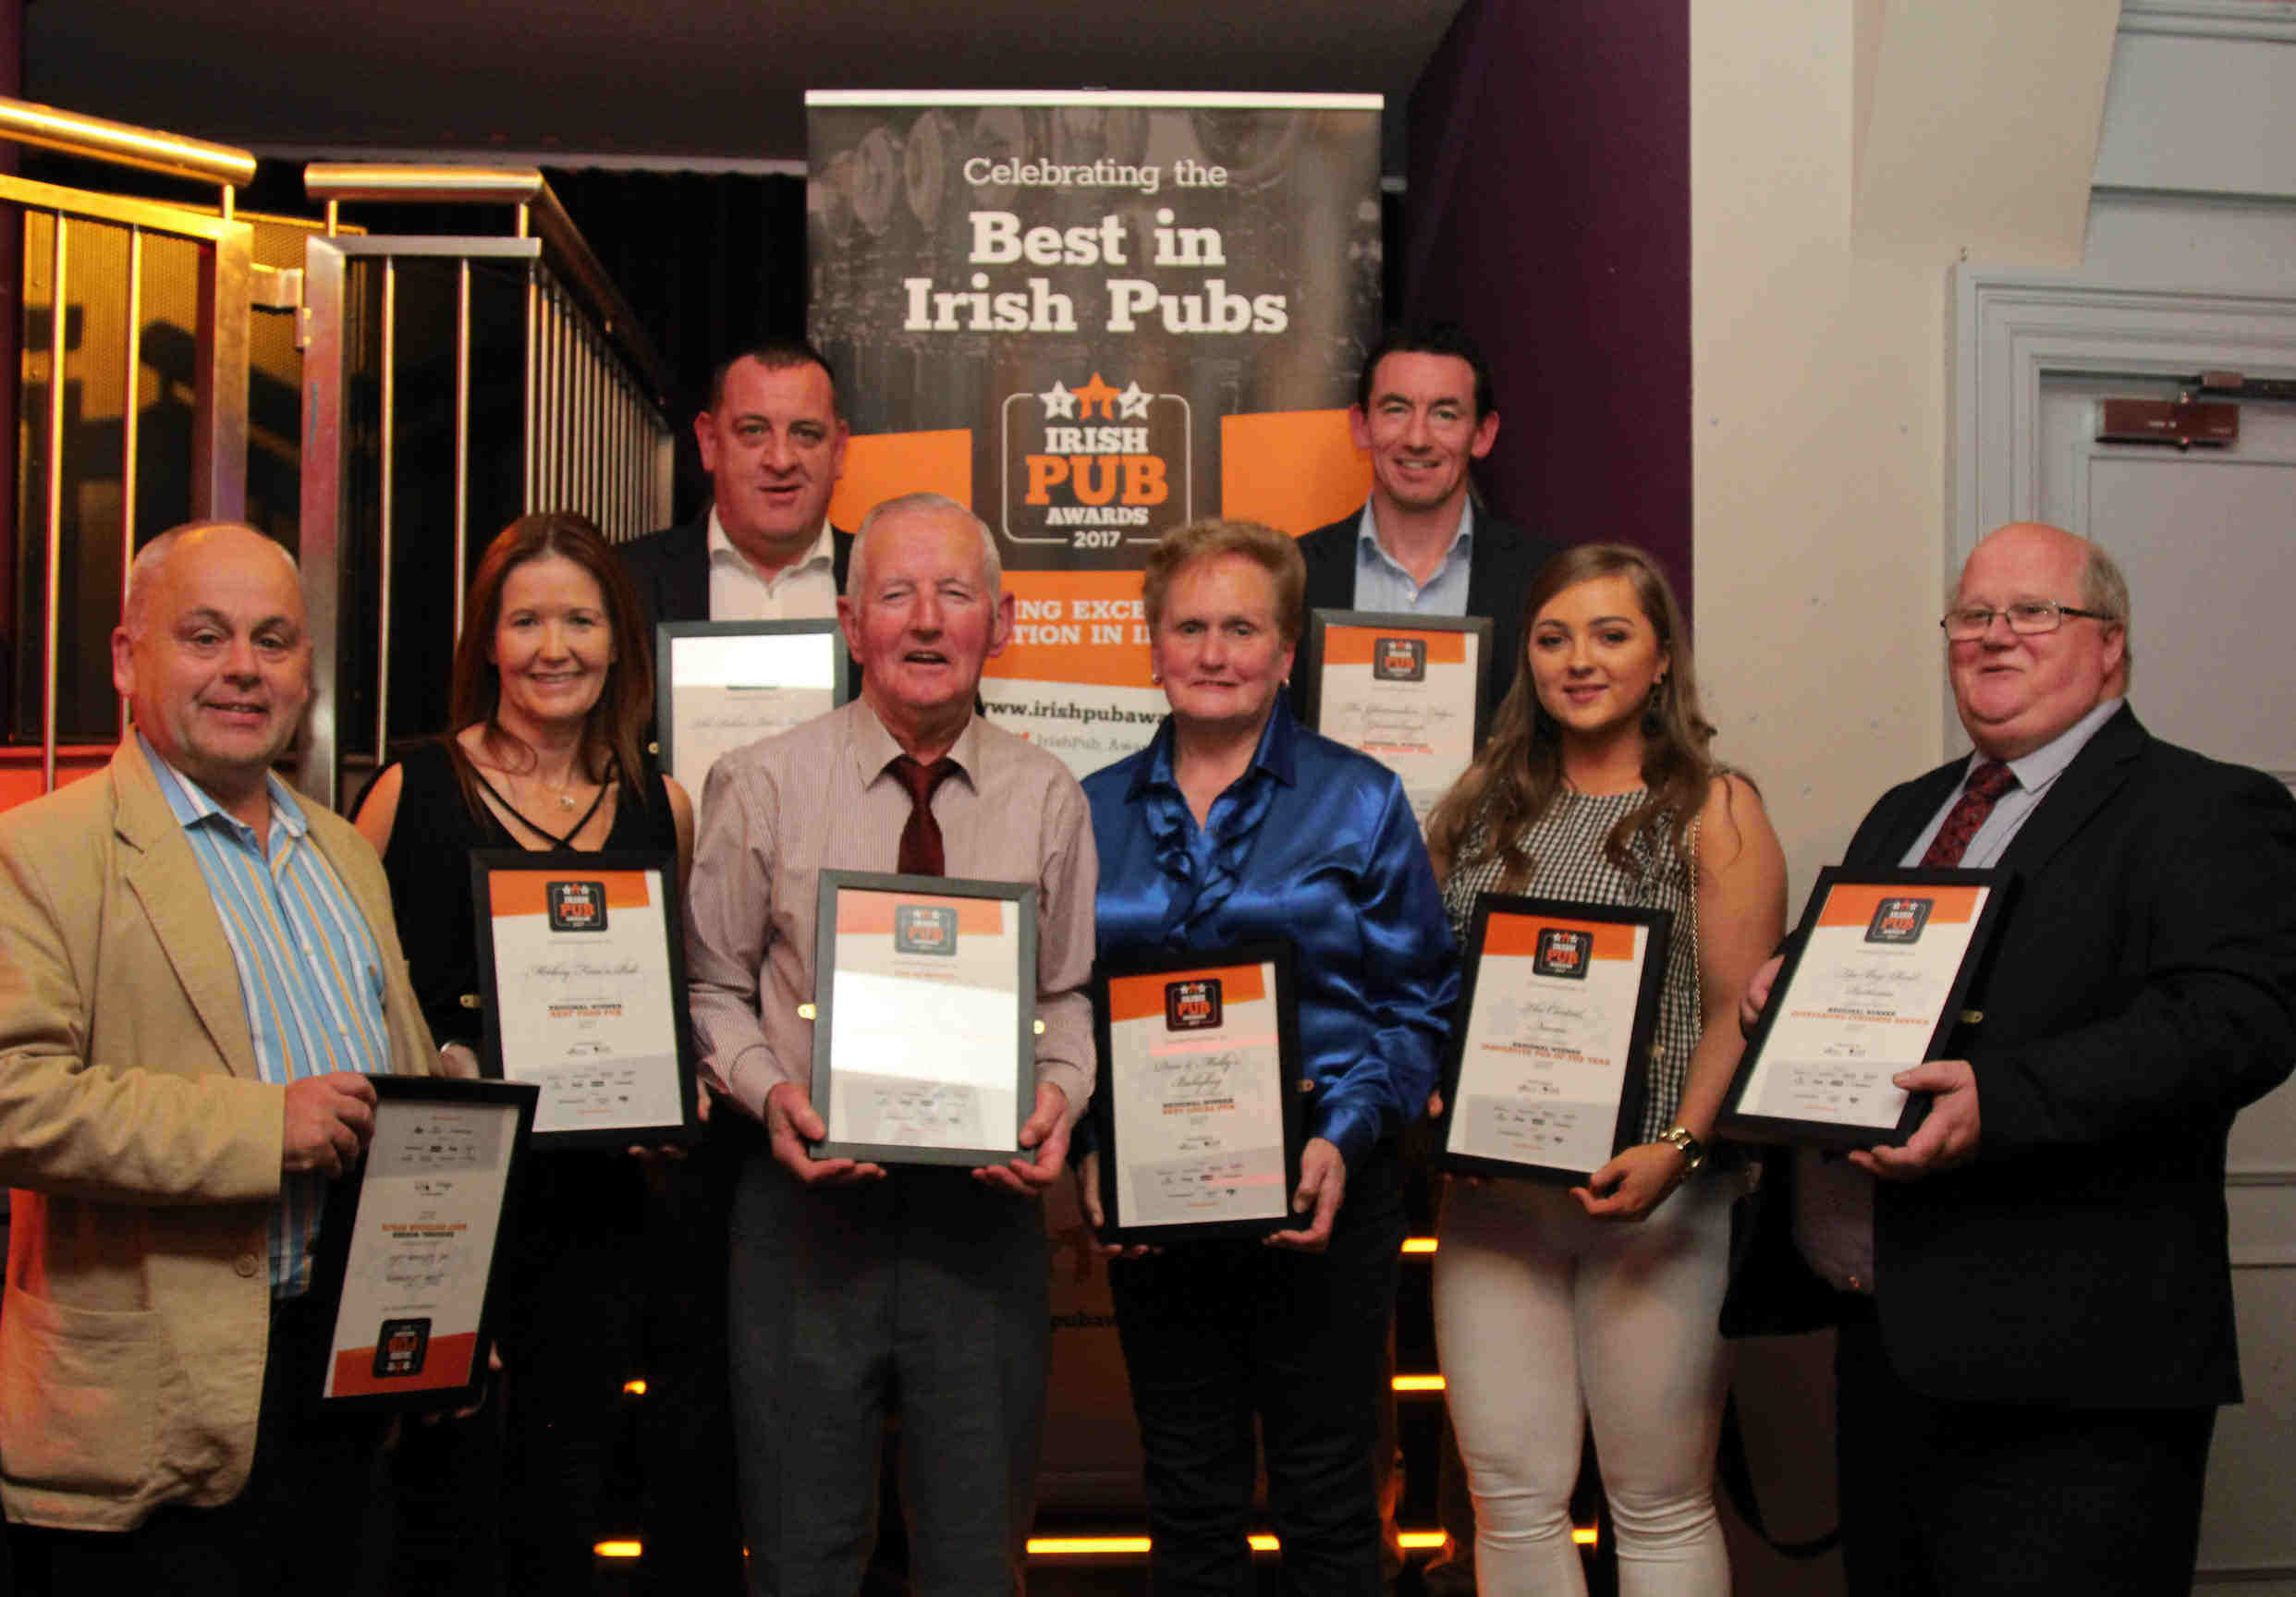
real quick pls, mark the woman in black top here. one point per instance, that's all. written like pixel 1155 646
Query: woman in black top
pixel 553 685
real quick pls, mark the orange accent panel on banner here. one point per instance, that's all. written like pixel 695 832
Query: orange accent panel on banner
pixel 1518 935
pixel 1847 905
pixel 881 466
pixel 446 1366
pixel 1353 645
pixel 528 891
pixel 1294 469
pixel 1075 626
pixel 1138 997
pixel 870 911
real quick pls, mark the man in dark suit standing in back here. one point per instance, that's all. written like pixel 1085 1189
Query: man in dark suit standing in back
pixel 1424 411
pixel 2033 1293
pixel 773 442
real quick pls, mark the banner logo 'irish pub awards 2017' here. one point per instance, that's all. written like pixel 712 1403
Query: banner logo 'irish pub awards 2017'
pixel 1095 466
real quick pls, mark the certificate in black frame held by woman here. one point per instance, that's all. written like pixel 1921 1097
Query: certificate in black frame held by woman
pixel 409 1242
pixel 924 1018
pixel 583 959
pixel 1548 1067
pixel 1874 986
pixel 1198 1110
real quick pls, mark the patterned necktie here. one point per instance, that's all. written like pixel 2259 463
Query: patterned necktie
pixel 1986 784
pixel 920 840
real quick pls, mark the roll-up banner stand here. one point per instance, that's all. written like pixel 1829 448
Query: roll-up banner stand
pixel 1094 317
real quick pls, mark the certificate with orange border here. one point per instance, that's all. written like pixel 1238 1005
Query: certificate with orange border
pixel 1551 1043
pixel 408 1247
pixel 1874 986
pixel 924 1012
pixel 1405 689
pixel 1198 1117
pixel 583 958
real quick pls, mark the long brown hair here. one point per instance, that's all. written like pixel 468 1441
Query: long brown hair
pixel 1519 771
pixel 617 722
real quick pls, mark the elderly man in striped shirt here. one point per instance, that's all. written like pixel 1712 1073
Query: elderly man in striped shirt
pixel 197 972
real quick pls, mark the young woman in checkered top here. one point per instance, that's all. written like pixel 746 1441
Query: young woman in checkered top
pixel 1555 1306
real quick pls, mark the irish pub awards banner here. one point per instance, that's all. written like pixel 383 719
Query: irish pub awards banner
pixel 1094 317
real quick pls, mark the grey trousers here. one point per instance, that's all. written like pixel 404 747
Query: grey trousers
pixel 923 1292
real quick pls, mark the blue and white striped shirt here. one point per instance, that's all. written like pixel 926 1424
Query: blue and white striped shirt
pixel 310 975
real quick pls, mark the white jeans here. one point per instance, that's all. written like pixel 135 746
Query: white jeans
pixel 1544 1317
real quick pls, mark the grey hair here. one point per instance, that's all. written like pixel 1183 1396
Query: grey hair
pixel 150 561
pixel 2105 592
pixel 992 560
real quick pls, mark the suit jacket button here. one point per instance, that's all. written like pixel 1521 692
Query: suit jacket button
pixel 246 1264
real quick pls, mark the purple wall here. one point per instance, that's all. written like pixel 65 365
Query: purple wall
pixel 1548 211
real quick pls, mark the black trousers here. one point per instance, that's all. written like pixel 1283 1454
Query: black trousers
pixel 296 1526
pixel 1948 1499
pixel 1216 1334
pixel 925 1292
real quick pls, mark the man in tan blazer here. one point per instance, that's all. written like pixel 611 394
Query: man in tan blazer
pixel 198 971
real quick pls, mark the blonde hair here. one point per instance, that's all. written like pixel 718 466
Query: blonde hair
pixel 1519 771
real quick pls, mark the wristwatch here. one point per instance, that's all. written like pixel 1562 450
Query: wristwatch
pixel 1693 1152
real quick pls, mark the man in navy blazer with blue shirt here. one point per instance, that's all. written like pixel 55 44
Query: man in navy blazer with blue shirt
pixel 2033 1293
pixel 1425 412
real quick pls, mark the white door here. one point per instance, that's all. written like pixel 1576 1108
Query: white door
pixel 2208 540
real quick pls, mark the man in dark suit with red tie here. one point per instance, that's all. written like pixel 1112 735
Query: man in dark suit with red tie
pixel 2033 1293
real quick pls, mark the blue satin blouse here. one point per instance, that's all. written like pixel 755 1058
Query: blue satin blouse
pixel 1314 842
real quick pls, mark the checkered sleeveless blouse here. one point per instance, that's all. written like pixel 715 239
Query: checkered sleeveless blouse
pixel 1566 848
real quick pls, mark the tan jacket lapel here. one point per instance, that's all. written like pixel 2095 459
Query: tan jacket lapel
pixel 168 884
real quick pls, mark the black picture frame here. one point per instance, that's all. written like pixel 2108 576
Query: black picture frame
pixel 1634 1082
pixel 486 863
pixel 1321 622
pixel 1176 966
pixel 347 1200
pixel 1740 1125
pixel 834 884
pixel 668 635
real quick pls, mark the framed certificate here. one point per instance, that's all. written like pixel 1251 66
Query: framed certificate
pixel 1874 986
pixel 1548 1069
pixel 719 685
pixel 1198 1107
pixel 408 1244
pixel 924 1018
pixel 583 961
pixel 1405 689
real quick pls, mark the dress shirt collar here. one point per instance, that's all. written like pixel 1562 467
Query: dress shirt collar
pixel 875 748
pixel 722 548
pixel 192 806
pixel 2035 771
pixel 1275 754
pixel 1369 551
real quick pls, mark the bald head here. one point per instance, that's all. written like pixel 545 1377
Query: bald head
pixel 2019 691
pixel 213 657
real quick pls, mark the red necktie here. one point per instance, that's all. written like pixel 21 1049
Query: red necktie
pixel 920 840
pixel 1986 784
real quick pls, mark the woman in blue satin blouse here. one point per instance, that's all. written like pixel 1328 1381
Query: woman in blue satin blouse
pixel 1235 826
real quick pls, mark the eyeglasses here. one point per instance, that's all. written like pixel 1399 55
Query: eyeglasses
pixel 2026 618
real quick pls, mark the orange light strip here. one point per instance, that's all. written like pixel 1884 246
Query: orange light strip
pixel 1419 1382
pixel 1419 1244
pixel 631 1549
pixel 1084 1546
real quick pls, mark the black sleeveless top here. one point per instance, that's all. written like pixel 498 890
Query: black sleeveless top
pixel 429 866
